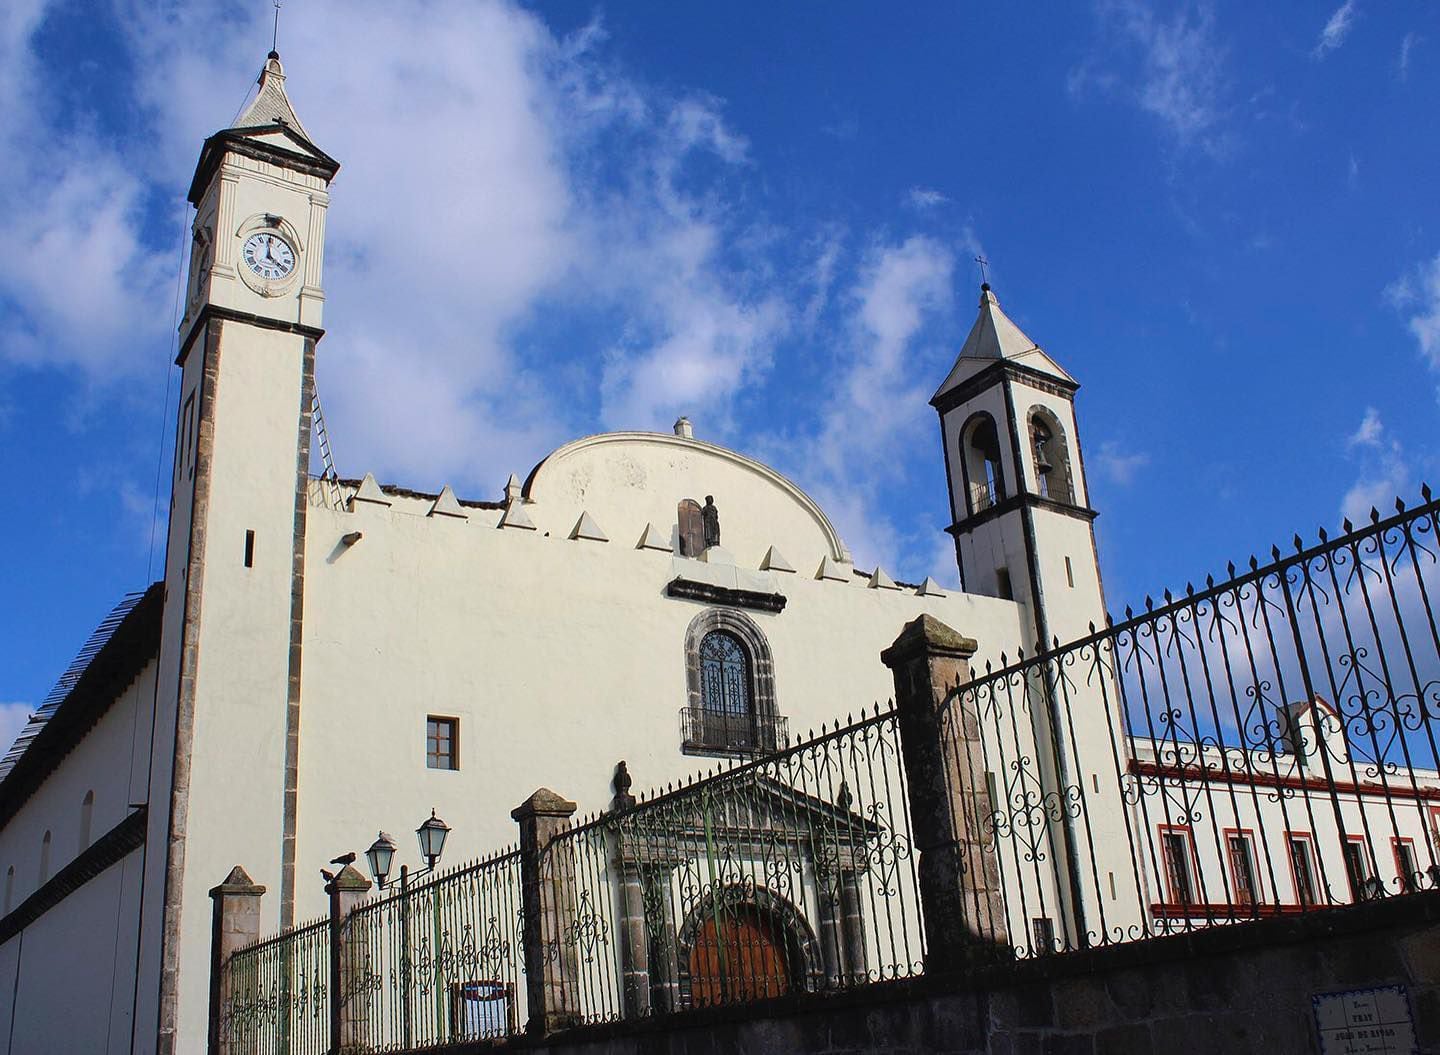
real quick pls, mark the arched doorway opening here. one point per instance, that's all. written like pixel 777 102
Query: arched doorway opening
pixel 747 944
pixel 738 956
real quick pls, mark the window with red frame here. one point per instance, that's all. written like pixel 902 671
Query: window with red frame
pixel 1241 852
pixel 1407 866
pixel 1357 868
pixel 1302 868
pixel 1175 848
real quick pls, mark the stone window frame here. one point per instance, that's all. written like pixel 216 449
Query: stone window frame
pixel 757 648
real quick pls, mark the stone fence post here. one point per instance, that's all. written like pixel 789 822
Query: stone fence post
pixel 349 1002
pixel 235 923
pixel 547 907
pixel 960 896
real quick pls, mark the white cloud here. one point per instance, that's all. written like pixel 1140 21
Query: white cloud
pixel 492 176
pixel 1407 45
pixel 925 198
pixel 1118 465
pixel 1369 431
pixel 1337 28
pixel 876 406
pixel 1177 71
pixel 1418 295
pixel 13 717
pixel 1384 471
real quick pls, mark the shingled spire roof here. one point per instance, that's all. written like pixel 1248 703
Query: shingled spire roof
pixel 994 336
pixel 271 105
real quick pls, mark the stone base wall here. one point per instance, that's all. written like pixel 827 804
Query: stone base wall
pixel 1240 988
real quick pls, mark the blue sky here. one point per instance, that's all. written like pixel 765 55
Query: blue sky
pixel 555 219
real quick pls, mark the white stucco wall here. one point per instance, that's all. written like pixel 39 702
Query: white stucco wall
pixel 559 657
pixel 86 943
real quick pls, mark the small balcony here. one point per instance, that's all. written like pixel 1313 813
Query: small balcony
pixel 722 732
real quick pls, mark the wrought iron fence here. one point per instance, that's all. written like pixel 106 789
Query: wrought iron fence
pixel 792 872
pixel 274 996
pixel 438 962
pixel 1265 745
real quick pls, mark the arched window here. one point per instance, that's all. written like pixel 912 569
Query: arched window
pixel 45 857
pixel 980 448
pixel 724 675
pixel 1052 459
pixel 731 685
pixel 87 810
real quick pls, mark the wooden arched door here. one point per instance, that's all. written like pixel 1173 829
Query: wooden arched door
pixel 739 956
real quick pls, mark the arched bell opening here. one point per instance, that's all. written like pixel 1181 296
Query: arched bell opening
pixel 984 474
pixel 1053 477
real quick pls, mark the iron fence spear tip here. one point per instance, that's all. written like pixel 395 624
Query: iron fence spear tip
pixel 1346 526
pixel 1324 535
pixel 1425 492
pixel 1399 504
pixel 1374 514
pixel 1253 562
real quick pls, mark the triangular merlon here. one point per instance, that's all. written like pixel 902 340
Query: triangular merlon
pixel 447 505
pixel 587 528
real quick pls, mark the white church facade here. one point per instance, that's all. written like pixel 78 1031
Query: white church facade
pixel 324 658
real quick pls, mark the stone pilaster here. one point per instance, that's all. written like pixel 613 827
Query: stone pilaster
pixel 349 1006
pixel 852 926
pixel 547 892
pixel 960 894
pixel 235 923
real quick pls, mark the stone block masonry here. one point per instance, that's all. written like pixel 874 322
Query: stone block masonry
pixel 1240 988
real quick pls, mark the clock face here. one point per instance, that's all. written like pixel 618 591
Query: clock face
pixel 268 255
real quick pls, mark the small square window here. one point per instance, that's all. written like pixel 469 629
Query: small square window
pixel 442 743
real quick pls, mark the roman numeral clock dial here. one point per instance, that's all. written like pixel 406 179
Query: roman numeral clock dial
pixel 268 255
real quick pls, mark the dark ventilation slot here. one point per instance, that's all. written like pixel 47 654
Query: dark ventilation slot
pixel 249 549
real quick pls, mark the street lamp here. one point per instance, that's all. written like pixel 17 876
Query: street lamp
pixel 432 838
pixel 381 855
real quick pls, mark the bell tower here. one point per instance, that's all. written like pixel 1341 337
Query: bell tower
pixel 1020 507
pixel 225 751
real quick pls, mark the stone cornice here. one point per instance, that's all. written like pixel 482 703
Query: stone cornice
pixel 1020 501
pixel 1004 368
pixel 312 161
pixel 708 593
pixel 215 311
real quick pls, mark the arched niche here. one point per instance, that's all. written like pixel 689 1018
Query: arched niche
pixel 87 812
pixel 1054 478
pixel 984 471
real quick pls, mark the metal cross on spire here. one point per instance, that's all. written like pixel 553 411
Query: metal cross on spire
pixel 275 35
pixel 984 275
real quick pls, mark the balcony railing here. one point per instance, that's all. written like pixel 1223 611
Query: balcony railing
pixel 706 730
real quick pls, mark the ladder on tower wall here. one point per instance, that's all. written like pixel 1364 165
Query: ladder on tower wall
pixel 329 478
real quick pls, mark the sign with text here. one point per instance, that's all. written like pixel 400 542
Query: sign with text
pixel 1366 1022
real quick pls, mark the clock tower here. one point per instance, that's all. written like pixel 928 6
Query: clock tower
pixel 230 663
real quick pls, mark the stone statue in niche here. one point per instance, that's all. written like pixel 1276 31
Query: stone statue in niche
pixel 711 517
pixel 692 528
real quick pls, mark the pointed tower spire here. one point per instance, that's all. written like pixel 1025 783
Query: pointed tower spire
pixel 994 336
pixel 271 105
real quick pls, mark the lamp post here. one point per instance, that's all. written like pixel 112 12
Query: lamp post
pixel 381 855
